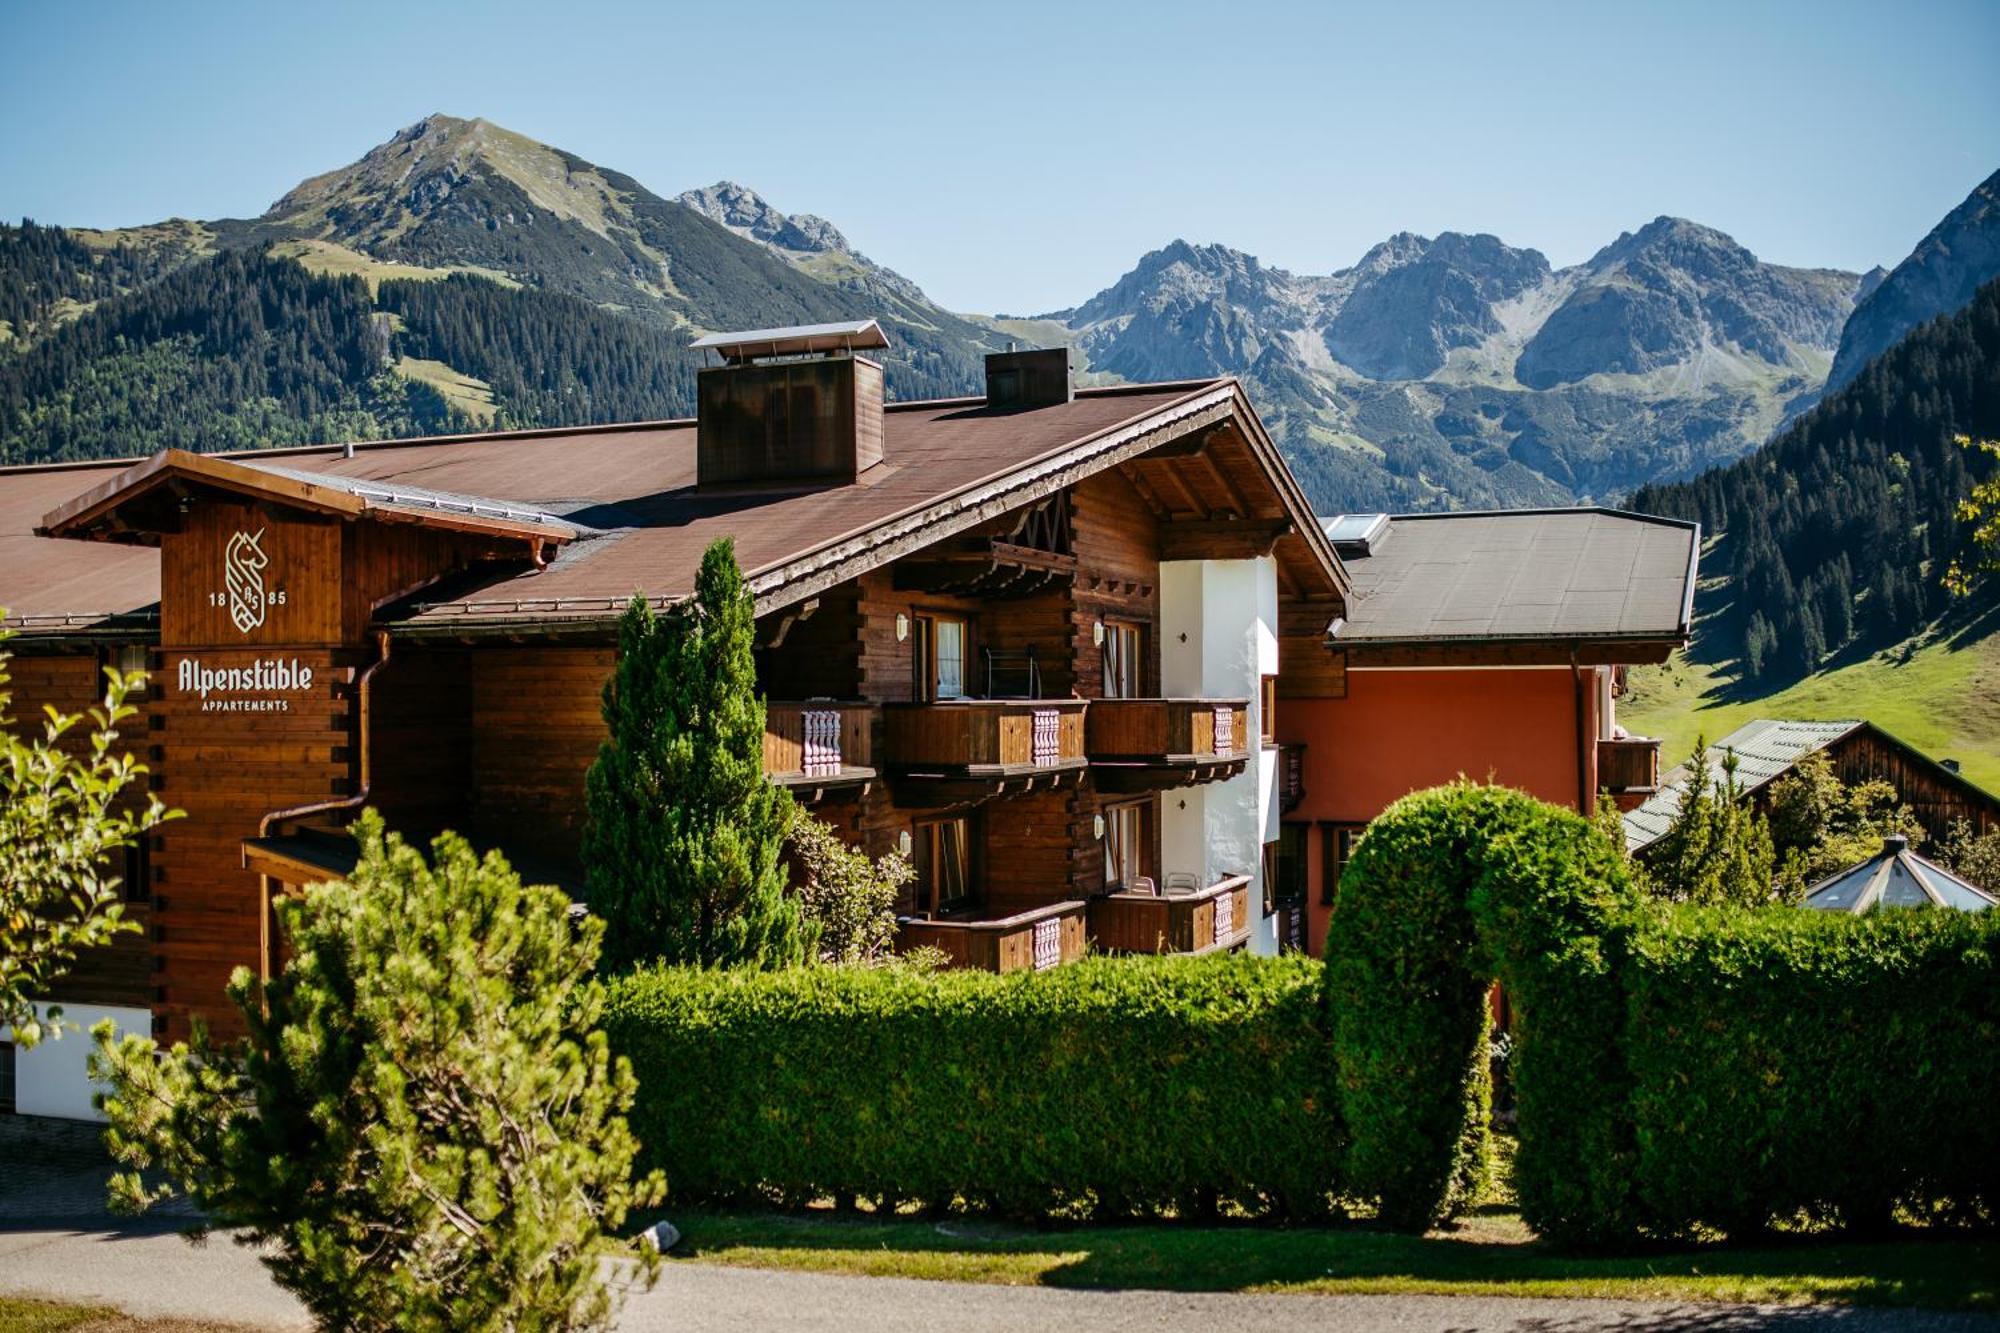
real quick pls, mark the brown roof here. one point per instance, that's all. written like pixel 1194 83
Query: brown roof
pixel 630 491
pixel 1529 574
pixel 94 512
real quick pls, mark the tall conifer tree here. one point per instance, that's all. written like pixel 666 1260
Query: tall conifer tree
pixel 681 854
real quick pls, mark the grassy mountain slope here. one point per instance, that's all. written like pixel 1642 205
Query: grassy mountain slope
pixel 1939 691
pixel 1821 596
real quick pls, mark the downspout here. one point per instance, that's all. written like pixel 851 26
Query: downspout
pixel 1584 803
pixel 364 690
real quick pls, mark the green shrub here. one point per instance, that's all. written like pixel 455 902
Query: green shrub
pixel 1788 1062
pixel 1109 1087
pixel 1451 888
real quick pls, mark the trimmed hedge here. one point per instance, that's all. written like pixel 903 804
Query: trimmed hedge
pixel 1788 1062
pixel 1451 888
pixel 1106 1087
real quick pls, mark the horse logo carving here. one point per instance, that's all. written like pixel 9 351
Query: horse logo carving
pixel 243 571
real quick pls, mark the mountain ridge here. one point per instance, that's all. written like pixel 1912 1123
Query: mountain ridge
pixel 1444 371
pixel 1941 274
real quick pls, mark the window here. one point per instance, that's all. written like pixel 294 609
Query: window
pixel 1125 843
pixel 1123 659
pixel 1336 846
pixel 1267 711
pixel 1289 886
pixel 940 665
pixel 943 854
pixel 129 657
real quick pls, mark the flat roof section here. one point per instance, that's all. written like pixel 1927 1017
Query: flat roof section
pixel 1532 575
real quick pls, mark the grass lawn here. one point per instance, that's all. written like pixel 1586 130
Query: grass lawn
pixel 1491 1254
pixel 19 1314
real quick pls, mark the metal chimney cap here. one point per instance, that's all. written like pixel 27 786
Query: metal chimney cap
pixel 1895 842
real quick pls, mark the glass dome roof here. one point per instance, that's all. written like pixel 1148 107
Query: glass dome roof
pixel 1896 877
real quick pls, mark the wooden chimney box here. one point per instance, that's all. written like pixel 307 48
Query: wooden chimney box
pixel 806 420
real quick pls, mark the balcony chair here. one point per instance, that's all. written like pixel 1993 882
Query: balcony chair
pixel 1181 882
pixel 1012 666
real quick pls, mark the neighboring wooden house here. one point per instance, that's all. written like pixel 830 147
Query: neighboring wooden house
pixel 1859 751
pixel 1031 639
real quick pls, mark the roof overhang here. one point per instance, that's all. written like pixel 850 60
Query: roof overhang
pixel 1467 651
pixel 122 508
pixel 1207 405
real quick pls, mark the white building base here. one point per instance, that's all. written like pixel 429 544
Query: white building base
pixel 53 1079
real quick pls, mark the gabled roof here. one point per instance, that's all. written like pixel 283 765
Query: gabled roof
pixel 1529 576
pixel 1765 750
pixel 98 513
pixel 629 494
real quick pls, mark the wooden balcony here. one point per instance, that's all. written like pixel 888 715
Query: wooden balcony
pixel 1291 777
pixel 1629 769
pixel 1149 744
pixel 968 749
pixel 1038 938
pixel 1205 921
pixel 818 747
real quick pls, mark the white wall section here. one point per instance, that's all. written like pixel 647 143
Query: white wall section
pixel 1218 636
pixel 53 1079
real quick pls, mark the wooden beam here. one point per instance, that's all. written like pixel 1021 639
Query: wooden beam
pixel 1236 500
pixel 1147 493
pixel 1172 473
pixel 1307 615
pixel 1221 538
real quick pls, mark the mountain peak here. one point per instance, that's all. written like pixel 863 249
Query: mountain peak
pixel 750 215
pixel 1951 263
pixel 417 171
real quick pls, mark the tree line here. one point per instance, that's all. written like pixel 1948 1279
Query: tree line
pixel 1840 531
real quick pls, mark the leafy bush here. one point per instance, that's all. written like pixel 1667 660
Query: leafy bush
pixel 424 1124
pixel 1973 857
pixel 66 809
pixel 1797 1061
pixel 1821 825
pixel 1451 888
pixel 848 901
pixel 1110 1087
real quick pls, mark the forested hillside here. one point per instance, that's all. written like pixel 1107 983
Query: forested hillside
pixel 244 350
pixel 1838 532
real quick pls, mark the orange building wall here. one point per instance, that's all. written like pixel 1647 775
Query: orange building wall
pixel 1400 731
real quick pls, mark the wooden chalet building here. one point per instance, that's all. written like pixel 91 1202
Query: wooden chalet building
pixel 1088 657
pixel 1857 751
pixel 1034 639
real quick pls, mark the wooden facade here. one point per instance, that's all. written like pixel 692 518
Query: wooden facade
pixel 993 694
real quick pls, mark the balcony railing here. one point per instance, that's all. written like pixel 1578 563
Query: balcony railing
pixel 1205 921
pixel 984 741
pixel 1630 766
pixel 1291 776
pixel 1038 938
pixel 1146 744
pixel 1147 729
pixel 817 745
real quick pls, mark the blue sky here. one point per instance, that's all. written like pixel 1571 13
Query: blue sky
pixel 1018 158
